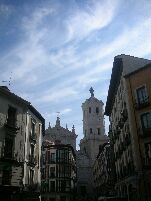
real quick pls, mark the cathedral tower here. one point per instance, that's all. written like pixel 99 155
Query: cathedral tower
pixel 94 136
pixel 93 126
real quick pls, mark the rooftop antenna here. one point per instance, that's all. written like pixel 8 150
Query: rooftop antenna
pixel 10 79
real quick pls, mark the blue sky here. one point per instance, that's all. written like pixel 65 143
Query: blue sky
pixel 56 50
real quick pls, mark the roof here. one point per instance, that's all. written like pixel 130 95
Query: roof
pixel 138 70
pixel 122 65
pixel 5 91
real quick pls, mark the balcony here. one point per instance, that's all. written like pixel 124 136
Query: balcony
pixel 147 163
pixel 142 104
pixel 32 161
pixel 32 138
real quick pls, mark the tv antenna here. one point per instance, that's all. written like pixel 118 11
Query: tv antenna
pixel 8 81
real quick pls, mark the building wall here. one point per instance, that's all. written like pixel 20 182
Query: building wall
pixel 15 135
pixel 102 171
pixel 125 130
pixel 58 173
pixel 140 140
pixel 30 117
pixel 18 146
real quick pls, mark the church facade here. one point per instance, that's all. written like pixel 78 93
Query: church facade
pixel 94 136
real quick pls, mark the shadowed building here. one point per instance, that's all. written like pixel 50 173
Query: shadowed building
pixel 58 172
pixel 103 172
pixel 21 127
pixel 129 111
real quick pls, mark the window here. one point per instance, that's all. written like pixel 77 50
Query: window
pixel 31 176
pixel 148 150
pixel 63 186
pixel 142 95
pixel 32 150
pixel 52 186
pixel 52 172
pixel 97 110
pixel 8 149
pixel 98 129
pixel 52 157
pixel 85 132
pixel 89 109
pixel 146 120
pixel 33 128
pixel 11 120
pixel 90 130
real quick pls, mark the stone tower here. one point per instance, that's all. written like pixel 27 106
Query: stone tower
pixel 93 126
pixel 94 136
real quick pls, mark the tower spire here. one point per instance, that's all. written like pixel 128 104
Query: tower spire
pixel 73 129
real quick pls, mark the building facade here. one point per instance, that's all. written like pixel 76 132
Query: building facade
pixel 19 163
pixel 64 135
pixel 103 172
pixel 58 172
pixel 94 136
pixel 139 93
pixel 124 139
pixel 59 149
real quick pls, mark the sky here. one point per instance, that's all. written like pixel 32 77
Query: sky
pixel 55 50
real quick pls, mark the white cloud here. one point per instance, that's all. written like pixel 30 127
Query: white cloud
pixel 97 15
pixel 58 95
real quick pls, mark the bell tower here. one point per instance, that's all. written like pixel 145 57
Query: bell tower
pixel 93 126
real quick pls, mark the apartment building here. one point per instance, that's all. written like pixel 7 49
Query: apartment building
pixel 139 96
pixel 21 127
pixel 58 172
pixel 127 122
pixel 103 173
